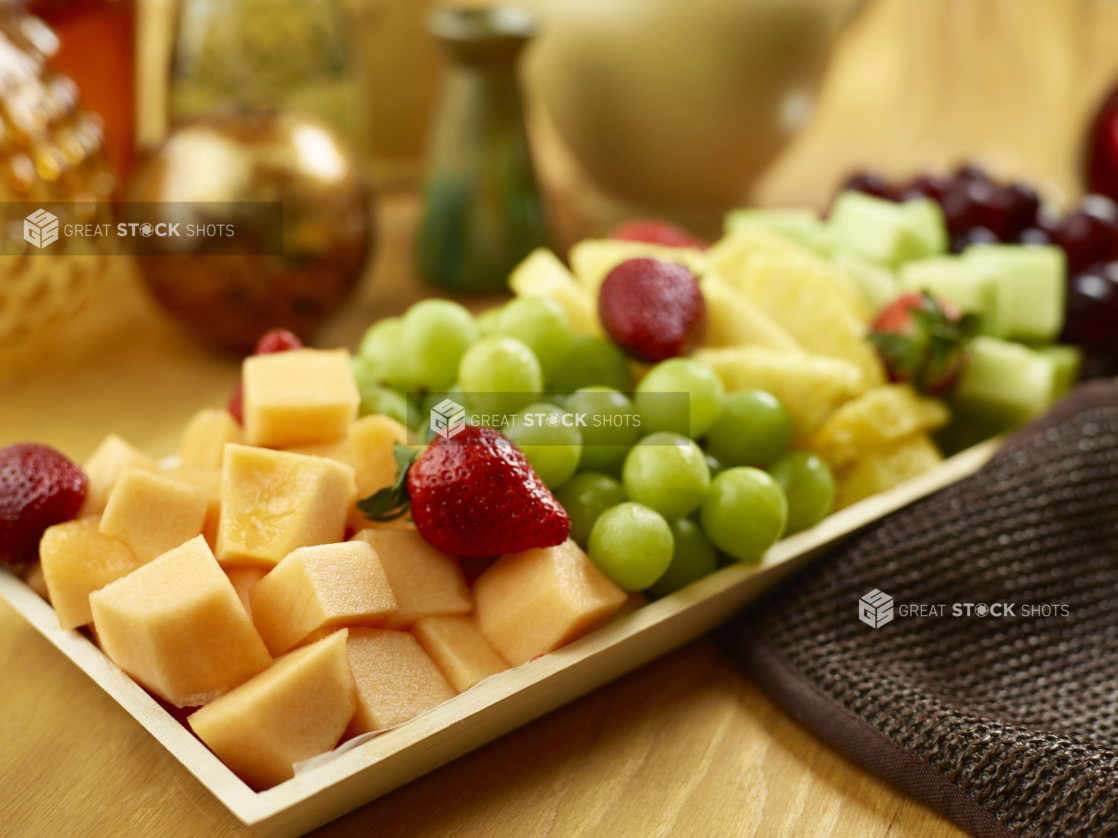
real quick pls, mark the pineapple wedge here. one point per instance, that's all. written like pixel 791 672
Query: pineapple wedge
pixel 879 471
pixel 541 274
pixel 592 259
pixel 808 302
pixel 810 387
pixel 732 320
pixel 875 421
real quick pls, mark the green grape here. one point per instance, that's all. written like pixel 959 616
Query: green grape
pixel 808 486
pixel 547 436
pixel 691 416
pixel 436 334
pixel 632 544
pixel 744 513
pixel 692 559
pixel 487 321
pixel 666 472
pixel 612 425
pixel 381 356
pixel 543 325
pixel 586 496
pixel 500 375
pixel 589 361
pixel 714 464
pixel 753 428
pixel 386 401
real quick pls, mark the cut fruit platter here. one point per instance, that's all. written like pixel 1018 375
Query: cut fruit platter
pixel 370 564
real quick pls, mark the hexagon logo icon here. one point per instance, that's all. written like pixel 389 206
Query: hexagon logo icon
pixel 40 228
pixel 875 609
pixel 448 418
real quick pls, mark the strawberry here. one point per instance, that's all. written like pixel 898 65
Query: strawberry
pixel 654 309
pixel 38 488
pixel 921 340
pixel 655 231
pixel 277 340
pixel 472 495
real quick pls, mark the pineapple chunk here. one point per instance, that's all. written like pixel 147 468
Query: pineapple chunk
pixel 881 470
pixel 592 259
pixel 104 466
pixel 203 441
pixel 372 441
pixel 810 387
pixel 806 299
pixel 735 321
pixel 541 274
pixel 875 421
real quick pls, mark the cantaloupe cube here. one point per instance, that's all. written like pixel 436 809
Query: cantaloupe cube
pixel 103 467
pixel 34 579
pixel 336 450
pixel 244 579
pixel 299 397
pixel 274 502
pixel 396 679
pixel 78 559
pixel 209 481
pixel 372 441
pixel 459 650
pixel 176 626
pixel 296 709
pixel 205 437
pixel 534 601
pixel 318 589
pixel 152 513
pixel 424 580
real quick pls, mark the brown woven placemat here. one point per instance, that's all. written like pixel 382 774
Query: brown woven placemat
pixel 1005 723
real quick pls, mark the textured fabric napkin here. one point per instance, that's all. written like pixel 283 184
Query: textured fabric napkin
pixel 966 647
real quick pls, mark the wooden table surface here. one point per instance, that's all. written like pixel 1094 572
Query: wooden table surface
pixel 685 746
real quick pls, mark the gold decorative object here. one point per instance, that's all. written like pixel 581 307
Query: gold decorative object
pixel 231 299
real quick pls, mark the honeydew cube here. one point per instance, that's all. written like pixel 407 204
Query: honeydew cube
pixel 460 651
pixel 541 274
pixel 78 559
pixel 104 466
pixel 372 442
pixel 205 437
pixel 732 320
pixel 1032 282
pixel 592 259
pixel 316 590
pixel 1066 363
pixel 1005 383
pixel 244 579
pixel 396 680
pixel 152 513
pixel 209 481
pixel 176 626
pixel 802 226
pixel 298 398
pixel 879 471
pixel 296 709
pixel 879 231
pixel 274 502
pixel 972 286
pixel 810 387
pixel 532 602
pixel 926 220
pixel 425 581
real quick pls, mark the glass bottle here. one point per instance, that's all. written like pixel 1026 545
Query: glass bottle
pixel 483 211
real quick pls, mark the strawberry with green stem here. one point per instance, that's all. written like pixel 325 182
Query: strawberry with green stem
pixel 922 341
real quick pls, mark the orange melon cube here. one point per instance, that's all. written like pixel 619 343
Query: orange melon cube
pixel 209 481
pixel 298 398
pixel 296 709
pixel 533 602
pixel 203 441
pixel 176 626
pixel 396 679
pixel 274 502
pixel 152 513
pixel 458 649
pixel 372 440
pixel 424 580
pixel 78 559
pixel 318 589
pixel 337 450
pixel 244 579
pixel 103 467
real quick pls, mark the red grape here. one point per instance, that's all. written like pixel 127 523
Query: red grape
pixel 925 186
pixel 1090 234
pixel 1092 319
pixel 1102 149
pixel 871 183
